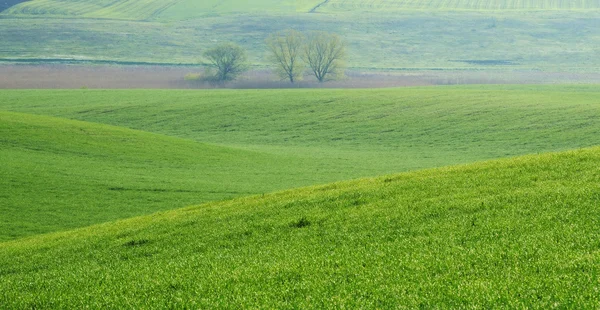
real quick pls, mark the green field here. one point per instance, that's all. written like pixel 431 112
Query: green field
pixel 170 149
pixel 59 174
pixel 135 9
pixel 150 9
pixel 469 197
pixel 184 9
pixel 478 5
pixel 392 35
pixel 517 233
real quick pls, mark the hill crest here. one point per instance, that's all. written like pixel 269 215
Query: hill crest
pixel 476 235
pixel 185 9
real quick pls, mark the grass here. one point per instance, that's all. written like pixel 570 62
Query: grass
pixel 378 39
pixel 59 174
pixel 514 233
pixel 485 5
pixel 492 120
pixel 192 9
pixel 188 147
pixel 185 9
pixel 151 9
pixel 132 10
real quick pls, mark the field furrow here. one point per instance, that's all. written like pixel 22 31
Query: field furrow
pixel 184 9
pixel 167 9
pixel 119 9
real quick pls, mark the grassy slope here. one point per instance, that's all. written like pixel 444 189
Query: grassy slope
pixel 302 137
pixel 178 10
pixel 59 174
pixel 512 233
pixel 430 126
pixel 184 9
pixel 492 5
pixel 191 8
pixel 134 10
pixel 151 9
pixel 551 39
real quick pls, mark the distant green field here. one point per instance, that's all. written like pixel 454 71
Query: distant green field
pixel 380 35
pixel 214 145
pixel 151 9
pixel 516 233
pixel 184 9
pixel 560 41
pixel 493 5
pixel 128 9
pixel 193 8
pixel 468 121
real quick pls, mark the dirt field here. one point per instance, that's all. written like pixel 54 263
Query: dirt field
pixel 109 77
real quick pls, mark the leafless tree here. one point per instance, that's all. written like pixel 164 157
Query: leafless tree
pixel 324 53
pixel 285 50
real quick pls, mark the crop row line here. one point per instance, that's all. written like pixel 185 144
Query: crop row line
pixel 118 9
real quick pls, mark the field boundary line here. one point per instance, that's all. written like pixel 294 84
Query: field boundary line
pixel 314 10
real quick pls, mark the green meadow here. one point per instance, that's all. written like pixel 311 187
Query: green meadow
pixel 152 9
pixel 171 9
pixel 422 197
pixel 243 198
pixel 491 5
pixel 404 36
pixel 513 233
pixel 59 174
pixel 73 158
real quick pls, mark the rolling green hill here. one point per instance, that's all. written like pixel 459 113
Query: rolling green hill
pixel 127 9
pixel 59 174
pixel 150 9
pixel 184 9
pixel 188 147
pixel 190 8
pixel 479 5
pixel 515 233
pixel 381 35
pixel 455 124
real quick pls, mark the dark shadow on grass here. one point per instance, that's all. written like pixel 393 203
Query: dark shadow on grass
pixel 135 243
pixel 302 222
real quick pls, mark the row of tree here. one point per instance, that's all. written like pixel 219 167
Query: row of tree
pixel 290 51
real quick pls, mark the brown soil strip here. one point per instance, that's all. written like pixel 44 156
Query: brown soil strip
pixel 55 76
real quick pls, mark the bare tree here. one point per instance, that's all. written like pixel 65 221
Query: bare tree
pixel 324 53
pixel 229 59
pixel 285 52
